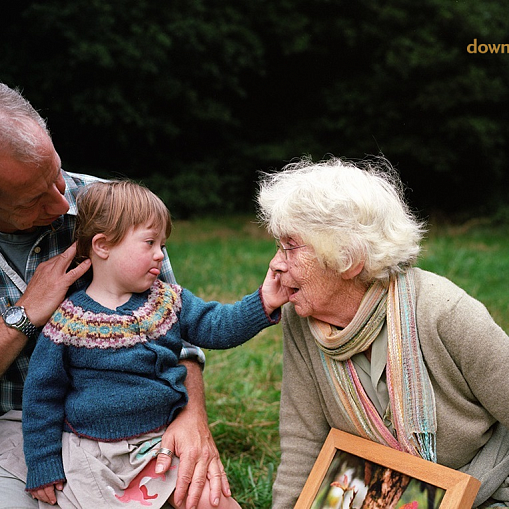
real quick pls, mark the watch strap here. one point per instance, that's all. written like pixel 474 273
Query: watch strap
pixel 29 329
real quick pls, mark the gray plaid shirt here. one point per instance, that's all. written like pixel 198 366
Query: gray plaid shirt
pixel 52 241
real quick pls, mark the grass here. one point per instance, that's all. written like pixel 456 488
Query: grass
pixel 226 258
pixel 475 256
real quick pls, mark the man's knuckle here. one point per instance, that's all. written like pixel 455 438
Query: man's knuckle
pixel 200 483
pixel 186 478
pixel 194 453
pixel 207 455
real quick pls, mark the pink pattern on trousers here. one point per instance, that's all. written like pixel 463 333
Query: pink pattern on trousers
pixel 137 491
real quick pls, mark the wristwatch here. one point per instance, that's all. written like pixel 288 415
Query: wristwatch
pixel 16 318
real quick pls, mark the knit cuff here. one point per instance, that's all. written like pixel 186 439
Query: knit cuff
pixel 45 473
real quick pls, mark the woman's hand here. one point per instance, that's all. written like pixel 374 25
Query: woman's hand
pixel 273 293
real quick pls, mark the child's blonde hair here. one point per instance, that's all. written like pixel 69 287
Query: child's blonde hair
pixel 113 208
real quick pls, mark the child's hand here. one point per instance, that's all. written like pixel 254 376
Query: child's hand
pixel 47 494
pixel 273 293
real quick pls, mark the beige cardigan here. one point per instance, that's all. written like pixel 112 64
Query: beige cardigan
pixel 466 354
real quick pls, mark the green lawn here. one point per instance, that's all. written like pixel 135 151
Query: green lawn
pixel 223 259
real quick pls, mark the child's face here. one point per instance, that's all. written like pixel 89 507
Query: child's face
pixel 137 259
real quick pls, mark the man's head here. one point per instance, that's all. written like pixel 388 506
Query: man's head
pixel 31 183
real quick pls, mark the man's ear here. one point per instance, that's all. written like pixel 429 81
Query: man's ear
pixel 353 271
pixel 101 246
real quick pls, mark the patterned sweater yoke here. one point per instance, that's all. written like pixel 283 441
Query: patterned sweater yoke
pixel 74 325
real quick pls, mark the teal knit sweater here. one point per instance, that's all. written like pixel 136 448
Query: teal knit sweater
pixel 111 375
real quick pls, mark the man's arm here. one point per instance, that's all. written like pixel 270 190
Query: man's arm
pixel 12 343
pixel 45 291
pixel 189 437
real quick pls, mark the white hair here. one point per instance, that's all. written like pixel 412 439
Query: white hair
pixel 19 134
pixel 348 213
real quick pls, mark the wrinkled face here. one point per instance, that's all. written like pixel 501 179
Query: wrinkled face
pixel 30 194
pixel 314 290
pixel 136 261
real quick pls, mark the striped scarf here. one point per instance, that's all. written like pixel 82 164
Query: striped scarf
pixel 411 395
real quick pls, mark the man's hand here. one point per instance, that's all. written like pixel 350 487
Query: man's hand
pixel 45 291
pixel 189 437
pixel 49 285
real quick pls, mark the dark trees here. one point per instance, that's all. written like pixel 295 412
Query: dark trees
pixel 196 96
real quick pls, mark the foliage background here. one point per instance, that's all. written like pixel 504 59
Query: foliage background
pixel 197 96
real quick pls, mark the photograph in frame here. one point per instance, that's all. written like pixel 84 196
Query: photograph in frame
pixel 354 473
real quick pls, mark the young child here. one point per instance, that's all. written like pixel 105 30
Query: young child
pixel 105 368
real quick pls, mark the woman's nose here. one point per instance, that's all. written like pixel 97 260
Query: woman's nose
pixel 278 262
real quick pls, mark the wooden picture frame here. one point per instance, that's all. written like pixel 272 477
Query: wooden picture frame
pixel 348 464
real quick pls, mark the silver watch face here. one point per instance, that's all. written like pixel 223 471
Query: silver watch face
pixel 13 315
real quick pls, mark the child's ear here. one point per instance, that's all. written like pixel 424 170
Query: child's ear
pixel 101 246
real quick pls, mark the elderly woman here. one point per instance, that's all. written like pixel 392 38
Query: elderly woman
pixel 372 345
